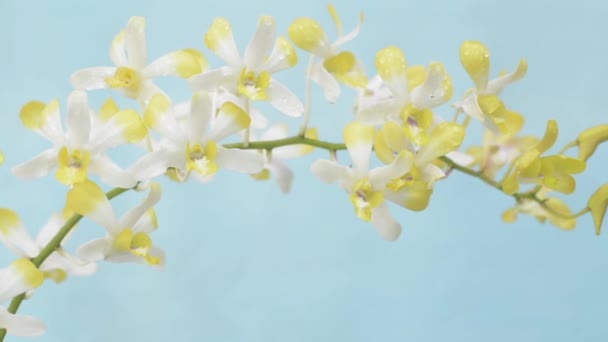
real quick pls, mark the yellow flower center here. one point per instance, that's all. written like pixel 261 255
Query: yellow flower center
pixel 364 199
pixel 405 181
pixel 125 78
pixel 202 158
pixel 416 123
pixel 138 244
pixel 72 165
pixel 254 85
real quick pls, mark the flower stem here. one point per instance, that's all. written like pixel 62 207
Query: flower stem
pixel 51 247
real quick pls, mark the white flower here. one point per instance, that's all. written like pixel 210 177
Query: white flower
pixel 191 144
pixel 128 238
pixel 19 277
pixel 406 95
pixel 482 102
pixel 132 76
pixel 21 325
pixel 251 75
pixel 274 162
pixel 59 263
pixel 79 151
pixel 335 65
pixel 367 188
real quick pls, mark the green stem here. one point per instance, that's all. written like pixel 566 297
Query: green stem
pixel 50 248
pixel 297 140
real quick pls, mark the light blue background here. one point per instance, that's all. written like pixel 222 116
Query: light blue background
pixel 249 264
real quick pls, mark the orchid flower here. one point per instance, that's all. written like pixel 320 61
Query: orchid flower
pixel 21 325
pixel 367 188
pixel 335 65
pixel 80 151
pixel 128 238
pixel 191 145
pixel 413 93
pixel 250 76
pixel 274 161
pixel 483 102
pixel 131 75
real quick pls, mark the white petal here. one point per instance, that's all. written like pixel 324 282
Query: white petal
pixel 19 277
pixel 117 50
pixel 244 161
pixel 78 119
pixel 351 35
pixel 386 225
pixel 497 85
pixel 201 113
pixel 258 120
pixel 156 163
pixel 15 236
pixel 331 86
pixel 63 261
pixel 220 40
pixel 135 42
pixel 39 166
pixel 460 158
pixel 329 171
pixel 94 250
pixel 50 229
pixel 431 173
pixel 260 45
pixel 92 78
pixel 470 107
pixel 21 325
pixel 110 173
pixel 148 222
pixel 376 114
pixel 131 217
pixel 210 80
pixel 230 120
pixel 275 132
pixel 382 175
pixel 430 93
pixel 283 175
pixel 284 100
pixel 148 90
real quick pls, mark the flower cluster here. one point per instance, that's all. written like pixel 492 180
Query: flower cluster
pixel 394 121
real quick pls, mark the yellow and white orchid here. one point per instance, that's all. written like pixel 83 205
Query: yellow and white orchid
pixel 21 325
pixel 274 161
pixel 553 171
pixel 80 150
pixel 406 95
pixel 335 66
pixel 413 188
pixel 131 75
pixel 191 145
pixel 250 76
pixel 59 264
pixel 483 102
pixel 367 188
pixel 553 209
pixel 128 238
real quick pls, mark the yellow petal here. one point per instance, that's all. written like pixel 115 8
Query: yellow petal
pixel 356 133
pixel 597 204
pixel 218 32
pixel 159 105
pixel 85 198
pixel 189 62
pixel 549 138
pixel 475 58
pixel 390 63
pixel 29 273
pixel 308 35
pixel 416 75
pixel 589 139
pixel 132 125
pixel 33 114
pixel 108 109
